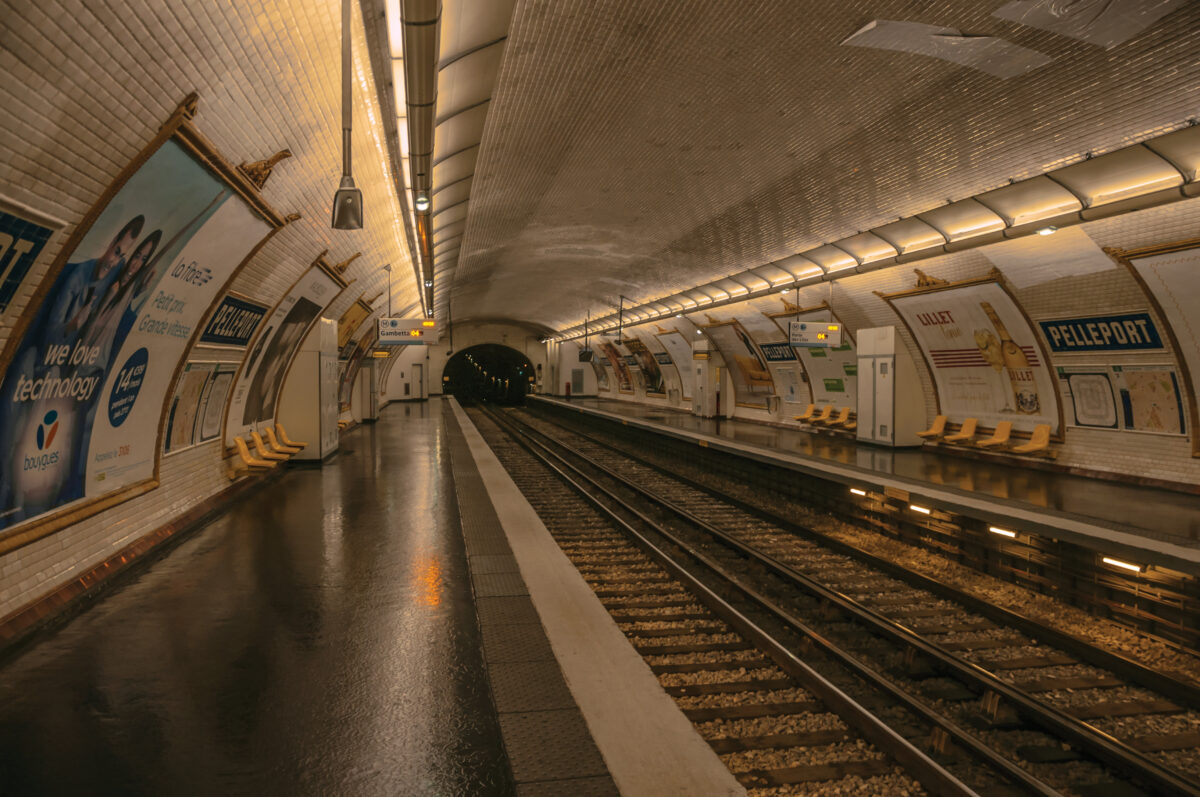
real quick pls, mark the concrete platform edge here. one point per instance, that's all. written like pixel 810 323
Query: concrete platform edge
pixel 1063 526
pixel 650 747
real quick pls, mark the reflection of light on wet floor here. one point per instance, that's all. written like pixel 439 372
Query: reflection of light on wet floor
pixel 429 577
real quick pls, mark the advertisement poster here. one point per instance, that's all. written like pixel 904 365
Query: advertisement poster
pixel 601 373
pixel 350 371
pixel 617 361
pixel 983 355
pixel 350 321
pixel 1141 398
pixel 258 383
pixel 790 389
pixel 832 372
pixel 22 239
pixel 1170 278
pixel 747 365
pixel 651 374
pixel 680 349
pixel 233 323
pixel 212 405
pixel 185 406
pixel 84 392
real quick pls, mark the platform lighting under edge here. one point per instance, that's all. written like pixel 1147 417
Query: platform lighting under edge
pixel 1108 560
pixel 857 491
pixel 920 509
pixel 1002 532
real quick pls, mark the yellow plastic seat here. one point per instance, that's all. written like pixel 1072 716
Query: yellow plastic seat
pixel 808 414
pixel 936 430
pixel 965 433
pixel 274 444
pixel 999 437
pixel 245 462
pixel 261 449
pixel 1039 441
pixel 283 437
pixel 823 416
pixel 839 419
pixel 851 424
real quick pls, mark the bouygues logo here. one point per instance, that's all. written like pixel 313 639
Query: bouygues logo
pixel 47 429
pixel 46 432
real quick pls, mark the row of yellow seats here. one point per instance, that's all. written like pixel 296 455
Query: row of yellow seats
pixel 270 454
pixel 1039 441
pixel 843 419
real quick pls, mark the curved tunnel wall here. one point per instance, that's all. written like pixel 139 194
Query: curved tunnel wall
pixel 1063 280
pixel 84 104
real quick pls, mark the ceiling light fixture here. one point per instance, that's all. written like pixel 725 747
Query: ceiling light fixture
pixel 1003 532
pixel 422 202
pixel 857 491
pixel 1050 230
pixel 347 200
pixel 428 283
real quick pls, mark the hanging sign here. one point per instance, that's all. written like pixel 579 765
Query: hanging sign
pixel 407 331
pixel 814 334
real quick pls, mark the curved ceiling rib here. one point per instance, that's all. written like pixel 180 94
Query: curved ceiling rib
pixel 453 52
pixel 1153 172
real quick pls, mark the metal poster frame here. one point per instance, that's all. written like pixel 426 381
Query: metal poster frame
pixel 1125 257
pixel 997 277
pixel 177 128
pixel 332 271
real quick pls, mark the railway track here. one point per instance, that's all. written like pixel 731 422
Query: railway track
pixel 987 700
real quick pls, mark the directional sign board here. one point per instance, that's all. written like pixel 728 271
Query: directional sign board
pixel 407 331
pixel 814 334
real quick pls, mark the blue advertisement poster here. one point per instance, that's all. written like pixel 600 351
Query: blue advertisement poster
pixel 84 391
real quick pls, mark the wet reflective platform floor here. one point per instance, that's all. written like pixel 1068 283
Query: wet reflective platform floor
pixel 319 638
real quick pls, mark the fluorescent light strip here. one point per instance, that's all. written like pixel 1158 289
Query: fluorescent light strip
pixel 857 491
pixel 1002 532
pixel 1124 565
pixel 920 509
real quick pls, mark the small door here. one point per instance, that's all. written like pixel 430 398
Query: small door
pixel 419 380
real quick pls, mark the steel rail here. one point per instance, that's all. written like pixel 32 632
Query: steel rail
pixel 1180 691
pixel 1100 745
pixel 928 772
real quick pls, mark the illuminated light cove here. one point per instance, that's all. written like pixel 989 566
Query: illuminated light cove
pixel 1108 560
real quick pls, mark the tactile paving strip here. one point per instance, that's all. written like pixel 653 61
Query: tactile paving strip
pixel 505 611
pixel 576 787
pixel 495 585
pixel 545 735
pixel 494 564
pixel 549 745
pixel 529 686
pixel 516 642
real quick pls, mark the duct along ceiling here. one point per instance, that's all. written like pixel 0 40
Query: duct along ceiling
pixel 680 154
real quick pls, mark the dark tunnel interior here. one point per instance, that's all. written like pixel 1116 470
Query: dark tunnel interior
pixel 489 372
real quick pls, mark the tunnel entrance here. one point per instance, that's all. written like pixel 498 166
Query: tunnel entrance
pixel 488 372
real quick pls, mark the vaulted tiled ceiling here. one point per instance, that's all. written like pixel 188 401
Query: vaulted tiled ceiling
pixel 641 148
